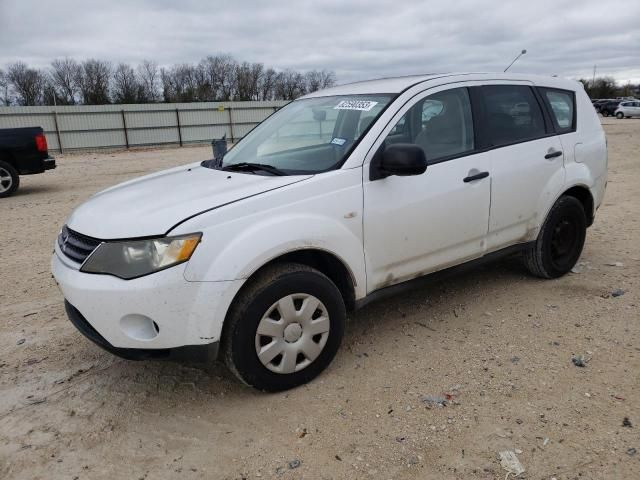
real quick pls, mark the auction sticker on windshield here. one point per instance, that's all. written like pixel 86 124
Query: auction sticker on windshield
pixel 364 105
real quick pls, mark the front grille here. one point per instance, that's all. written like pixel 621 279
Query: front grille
pixel 76 246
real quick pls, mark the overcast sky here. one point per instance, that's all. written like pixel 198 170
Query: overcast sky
pixel 356 39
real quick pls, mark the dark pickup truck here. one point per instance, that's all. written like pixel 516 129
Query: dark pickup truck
pixel 23 151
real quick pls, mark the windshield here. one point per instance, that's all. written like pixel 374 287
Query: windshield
pixel 308 136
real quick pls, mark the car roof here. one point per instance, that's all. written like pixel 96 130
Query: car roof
pixel 399 84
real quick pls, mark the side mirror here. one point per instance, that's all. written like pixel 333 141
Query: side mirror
pixel 402 159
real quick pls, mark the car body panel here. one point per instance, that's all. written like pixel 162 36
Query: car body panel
pixel 187 313
pixel 383 231
pixel 154 204
pixel 323 213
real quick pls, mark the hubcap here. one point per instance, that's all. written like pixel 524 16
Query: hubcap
pixel 5 180
pixel 292 333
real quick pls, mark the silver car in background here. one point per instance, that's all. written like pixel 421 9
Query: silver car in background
pixel 628 109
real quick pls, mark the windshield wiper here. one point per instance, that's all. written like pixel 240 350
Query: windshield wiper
pixel 254 166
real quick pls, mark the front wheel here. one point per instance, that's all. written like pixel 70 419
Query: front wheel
pixel 560 241
pixel 619 115
pixel 9 179
pixel 284 328
pixel 605 113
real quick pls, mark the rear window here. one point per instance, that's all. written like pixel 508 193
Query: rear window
pixel 562 105
pixel 514 114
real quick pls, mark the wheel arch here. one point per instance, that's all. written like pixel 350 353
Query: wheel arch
pixel 584 196
pixel 325 262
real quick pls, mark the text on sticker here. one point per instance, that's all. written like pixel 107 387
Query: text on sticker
pixel 364 105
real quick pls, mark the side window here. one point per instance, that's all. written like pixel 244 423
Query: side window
pixel 441 124
pixel 562 105
pixel 513 113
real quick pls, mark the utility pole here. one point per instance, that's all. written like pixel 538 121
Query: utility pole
pixel 593 82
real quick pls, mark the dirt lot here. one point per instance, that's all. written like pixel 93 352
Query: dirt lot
pixel 498 340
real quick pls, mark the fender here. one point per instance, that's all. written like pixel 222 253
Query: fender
pixel 240 238
pixel 576 182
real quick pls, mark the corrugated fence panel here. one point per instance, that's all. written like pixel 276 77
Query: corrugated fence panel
pixel 103 126
pixel 196 134
pixel 155 136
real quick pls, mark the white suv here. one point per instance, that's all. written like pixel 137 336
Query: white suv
pixel 628 109
pixel 337 198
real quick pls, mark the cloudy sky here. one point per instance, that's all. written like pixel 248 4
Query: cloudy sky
pixel 357 39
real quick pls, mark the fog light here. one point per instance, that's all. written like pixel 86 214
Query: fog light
pixel 139 327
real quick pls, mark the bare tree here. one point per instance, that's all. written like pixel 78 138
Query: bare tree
pixel 289 85
pixel 148 78
pixel 179 83
pixel 319 79
pixel 125 87
pixel 203 90
pixel 28 83
pixel 214 78
pixel 93 81
pixel 248 77
pixel 5 97
pixel 63 74
pixel 220 71
pixel 267 84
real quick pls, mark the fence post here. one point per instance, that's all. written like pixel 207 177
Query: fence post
pixel 124 125
pixel 178 125
pixel 55 121
pixel 231 124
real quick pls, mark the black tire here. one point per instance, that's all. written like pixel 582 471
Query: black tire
pixel 8 187
pixel 560 241
pixel 255 300
pixel 619 115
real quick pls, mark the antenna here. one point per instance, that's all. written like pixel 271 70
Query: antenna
pixel 514 60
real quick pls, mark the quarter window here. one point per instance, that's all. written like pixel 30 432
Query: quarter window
pixel 513 113
pixel 441 124
pixel 562 105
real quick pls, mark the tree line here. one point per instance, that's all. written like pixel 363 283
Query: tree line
pixel 607 87
pixel 67 81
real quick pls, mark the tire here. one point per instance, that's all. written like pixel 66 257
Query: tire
pixel 291 353
pixel 619 115
pixel 9 179
pixel 605 113
pixel 560 241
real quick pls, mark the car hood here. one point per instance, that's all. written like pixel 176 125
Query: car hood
pixel 154 204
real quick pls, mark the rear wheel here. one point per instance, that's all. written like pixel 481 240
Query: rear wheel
pixel 284 328
pixel 619 115
pixel 9 179
pixel 560 241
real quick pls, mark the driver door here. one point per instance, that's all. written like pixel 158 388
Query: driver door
pixel 414 225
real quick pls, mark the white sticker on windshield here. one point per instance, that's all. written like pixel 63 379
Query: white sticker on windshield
pixel 339 141
pixel 363 105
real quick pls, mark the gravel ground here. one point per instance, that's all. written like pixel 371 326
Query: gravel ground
pixel 496 341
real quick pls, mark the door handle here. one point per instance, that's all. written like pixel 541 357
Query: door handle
pixel 476 176
pixel 555 154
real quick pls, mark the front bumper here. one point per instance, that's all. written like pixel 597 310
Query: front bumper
pixel 194 353
pixel 157 312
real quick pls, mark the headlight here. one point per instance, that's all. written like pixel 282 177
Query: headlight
pixel 135 258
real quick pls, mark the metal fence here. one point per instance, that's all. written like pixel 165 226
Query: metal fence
pixel 123 126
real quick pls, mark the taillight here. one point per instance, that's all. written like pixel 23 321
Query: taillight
pixel 41 143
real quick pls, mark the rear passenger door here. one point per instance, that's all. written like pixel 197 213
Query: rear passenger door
pixel 526 161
